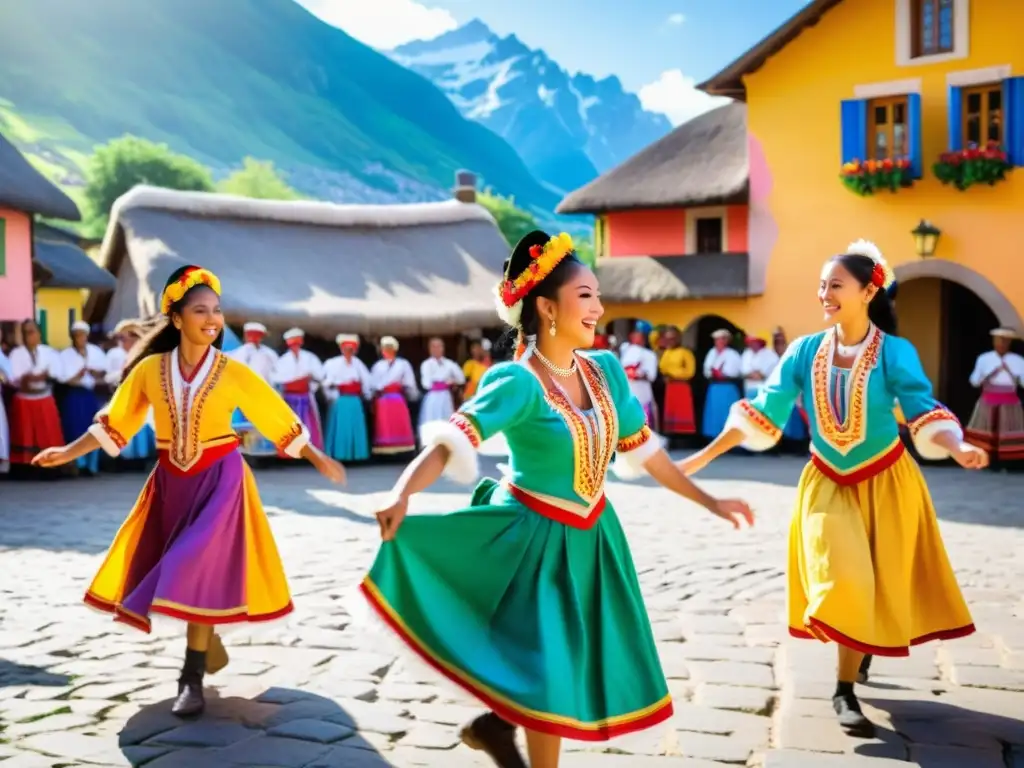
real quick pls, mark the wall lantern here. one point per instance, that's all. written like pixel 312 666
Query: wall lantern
pixel 926 237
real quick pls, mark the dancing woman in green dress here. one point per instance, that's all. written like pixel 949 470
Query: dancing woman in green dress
pixel 528 599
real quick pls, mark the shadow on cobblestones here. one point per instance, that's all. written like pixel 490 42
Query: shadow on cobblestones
pixel 12 674
pixel 280 727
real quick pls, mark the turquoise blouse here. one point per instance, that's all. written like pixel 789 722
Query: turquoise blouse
pixel 854 432
pixel 557 452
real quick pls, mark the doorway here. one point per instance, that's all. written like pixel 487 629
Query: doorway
pixel 949 325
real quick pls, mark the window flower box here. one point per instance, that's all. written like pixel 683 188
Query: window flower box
pixel 966 167
pixel 866 178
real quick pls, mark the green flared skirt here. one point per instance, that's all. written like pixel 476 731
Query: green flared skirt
pixel 542 622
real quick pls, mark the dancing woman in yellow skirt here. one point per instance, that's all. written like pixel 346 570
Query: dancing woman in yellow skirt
pixel 867 568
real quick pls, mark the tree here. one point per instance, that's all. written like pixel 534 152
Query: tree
pixel 258 179
pixel 121 164
pixel 512 221
pixel 585 250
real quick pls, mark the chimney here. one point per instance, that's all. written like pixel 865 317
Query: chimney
pixel 465 186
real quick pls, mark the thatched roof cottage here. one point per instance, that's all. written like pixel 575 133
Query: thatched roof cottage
pixel 410 270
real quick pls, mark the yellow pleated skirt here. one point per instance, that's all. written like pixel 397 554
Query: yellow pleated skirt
pixel 867 567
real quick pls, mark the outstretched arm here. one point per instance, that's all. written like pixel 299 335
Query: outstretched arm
pixel 661 467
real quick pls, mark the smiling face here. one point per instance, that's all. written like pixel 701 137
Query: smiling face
pixel 576 309
pixel 842 297
pixel 200 319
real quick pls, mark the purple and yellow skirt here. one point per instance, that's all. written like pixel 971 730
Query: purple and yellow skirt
pixel 196 547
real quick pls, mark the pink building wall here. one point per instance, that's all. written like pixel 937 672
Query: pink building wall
pixel 16 300
pixel 662 232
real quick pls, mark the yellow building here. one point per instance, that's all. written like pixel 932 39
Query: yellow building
pixel 69 276
pixel 880 80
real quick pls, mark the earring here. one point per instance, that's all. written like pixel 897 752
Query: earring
pixel 551 328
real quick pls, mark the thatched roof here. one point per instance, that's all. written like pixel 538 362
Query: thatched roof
pixel 669 278
pixel 702 162
pixel 24 188
pixel 69 266
pixel 729 82
pixel 371 269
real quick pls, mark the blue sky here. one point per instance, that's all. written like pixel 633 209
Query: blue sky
pixel 658 48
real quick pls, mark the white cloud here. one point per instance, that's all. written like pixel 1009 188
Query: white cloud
pixel 383 24
pixel 675 96
pixel 676 19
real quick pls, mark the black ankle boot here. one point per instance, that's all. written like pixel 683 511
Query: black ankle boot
pixel 496 737
pixel 190 701
pixel 851 718
pixel 865 666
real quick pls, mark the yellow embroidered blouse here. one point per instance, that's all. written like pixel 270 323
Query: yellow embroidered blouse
pixel 678 363
pixel 192 417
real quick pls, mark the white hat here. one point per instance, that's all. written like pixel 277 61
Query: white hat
pixel 346 338
pixel 721 333
pixel 126 325
pixel 80 325
pixel 389 341
pixel 294 333
pixel 485 344
pixel 1004 333
pixel 254 328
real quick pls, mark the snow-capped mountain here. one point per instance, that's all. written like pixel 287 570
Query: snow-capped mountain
pixel 567 128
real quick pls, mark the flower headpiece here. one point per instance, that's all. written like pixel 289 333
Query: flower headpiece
pixel 544 257
pixel 882 276
pixel 190 278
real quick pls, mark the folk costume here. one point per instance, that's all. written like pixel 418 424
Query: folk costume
pixel 722 367
pixel 35 420
pixel 5 431
pixel 262 360
pixel 678 366
pixel 80 402
pixel 867 568
pixel 346 386
pixel 437 376
pixel 394 387
pixel 474 370
pixel 299 373
pixel 997 423
pixel 528 598
pixel 756 364
pixel 197 545
pixel 641 366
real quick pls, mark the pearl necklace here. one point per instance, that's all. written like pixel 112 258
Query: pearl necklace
pixel 556 370
pixel 851 350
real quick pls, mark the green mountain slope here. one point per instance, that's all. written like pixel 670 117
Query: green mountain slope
pixel 222 79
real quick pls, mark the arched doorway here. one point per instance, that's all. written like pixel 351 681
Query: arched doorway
pixel 697 337
pixel 947 311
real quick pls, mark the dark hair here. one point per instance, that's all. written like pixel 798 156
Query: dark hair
pixel 165 337
pixel 529 320
pixel 881 311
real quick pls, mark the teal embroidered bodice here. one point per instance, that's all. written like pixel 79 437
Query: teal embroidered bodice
pixel 557 451
pixel 850 412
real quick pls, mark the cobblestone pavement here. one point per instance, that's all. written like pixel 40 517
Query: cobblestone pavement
pixel 320 690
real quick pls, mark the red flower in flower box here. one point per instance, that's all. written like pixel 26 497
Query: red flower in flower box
pixel 966 167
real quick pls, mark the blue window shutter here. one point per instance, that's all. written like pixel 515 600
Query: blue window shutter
pixel 955 114
pixel 1013 119
pixel 914 134
pixel 853 117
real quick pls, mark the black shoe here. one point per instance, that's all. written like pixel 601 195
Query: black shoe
pixel 190 701
pixel 496 737
pixel 865 665
pixel 851 719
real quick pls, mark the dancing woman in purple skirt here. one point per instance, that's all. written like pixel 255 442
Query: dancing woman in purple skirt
pixel 197 546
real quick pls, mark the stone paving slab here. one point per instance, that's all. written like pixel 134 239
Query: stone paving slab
pixel 320 690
